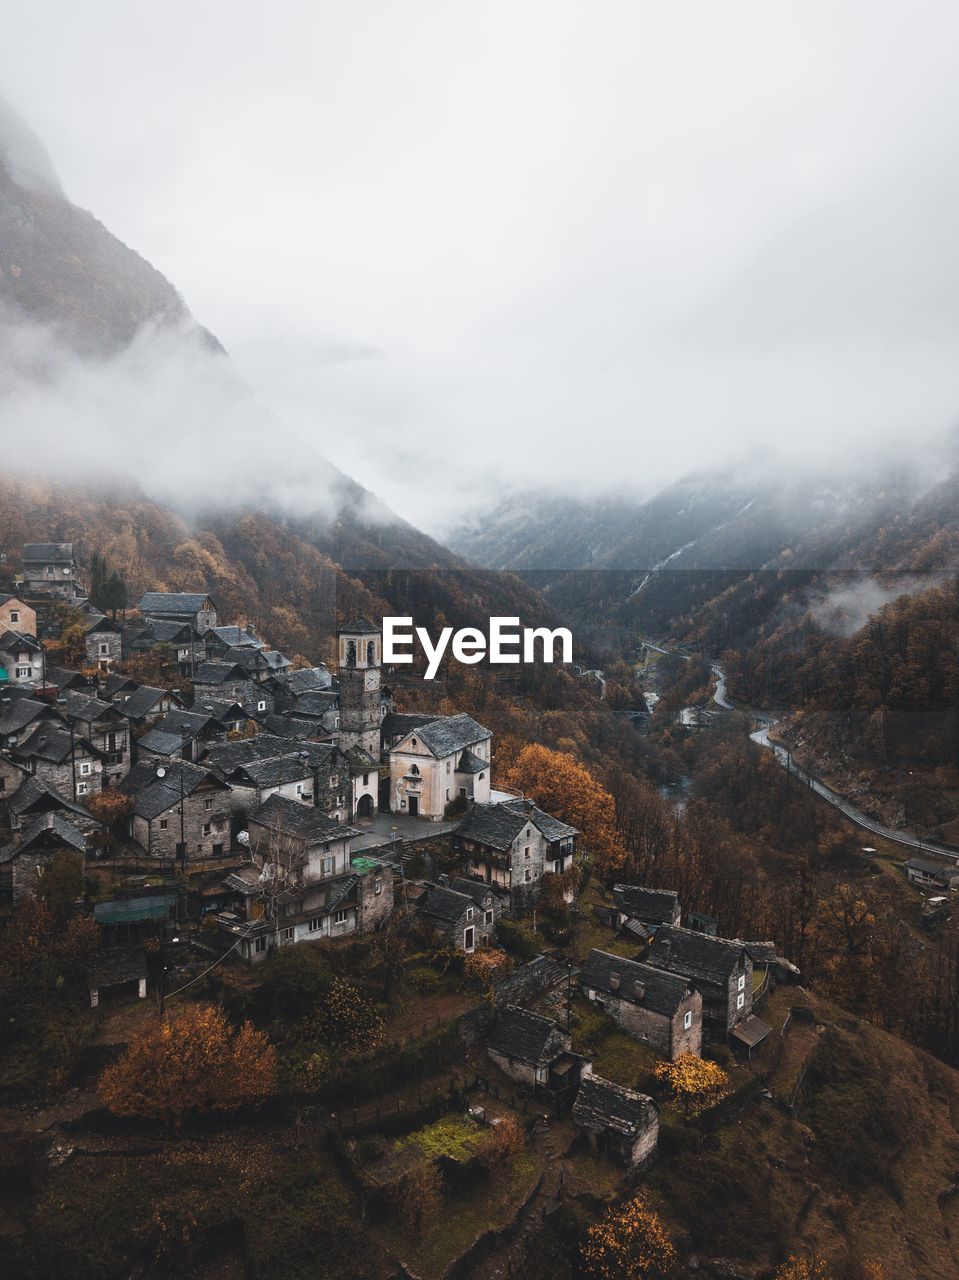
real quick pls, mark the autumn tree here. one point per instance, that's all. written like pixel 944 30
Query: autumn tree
pixel 558 783
pixel 506 1139
pixel 480 967
pixel 798 1268
pixel 695 1083
pixel 192 1062
pixel 110 806
pixel 628 1243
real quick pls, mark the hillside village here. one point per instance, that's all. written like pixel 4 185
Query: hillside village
pixel 236 805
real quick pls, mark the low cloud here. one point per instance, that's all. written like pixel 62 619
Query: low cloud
pixel 847 608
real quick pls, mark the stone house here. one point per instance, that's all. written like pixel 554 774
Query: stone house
pixel 489 906
pixel 455 917
pixel 21 659
pixel 12 777
pixel 33 799
pixel 105 728
pixel 439 762
pixel 651 907
pixel 20 714
pixel 528 1047
pixel 22 864
pixel 192 608
pixel 50 568
pixel 322 706
pixel 619 1122
pixel 144 705
pixel 193 730
pixel 16 615
pixel 660 1009
pixel 185 813
pixel 102 643
pixel 318 892
pixel 218 640
pixel 720 969
pixel 179 642
pixel 230 681
pixel 62 758
pixel 320 768
pixel 512 845
pixel 939 875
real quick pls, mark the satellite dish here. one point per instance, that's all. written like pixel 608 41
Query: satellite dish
pixel 161 772
pixel 243 837
pixel 98 767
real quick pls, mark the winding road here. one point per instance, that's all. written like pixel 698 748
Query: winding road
pixel 761 737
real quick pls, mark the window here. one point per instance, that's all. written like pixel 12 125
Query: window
pixel 447 793
pixel 288 933
pixel 259 946
pixel 327 866
pixel 14 615
pixel 261 705
pixel 208 805
pixel 86 768
pixel 163 824
pixel 526 854
pixel 469 913
pixel 482 776
pixel 366 779
pixel 340 917
pixel 463 791
pixel 334 779
pixel 414 770
pixel 299 788
pixel 82 788
pixel 447 766
pixel 23 672
pixel 104 648
pixel 528 875
pixel 314 925
pixel 688 1019
pixel 413 742
pixel 488 917
pixel 207 828
pixel 741 984
pixel 377 886
pixel 468 938
pixel 740 1001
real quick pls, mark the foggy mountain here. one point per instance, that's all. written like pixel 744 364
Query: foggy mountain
pixel 105 372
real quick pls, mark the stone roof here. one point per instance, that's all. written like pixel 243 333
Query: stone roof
pixel 141 701
pixel 48 552
pixel 285 725
pixel 165 792
pixel 238 637
pixel 34 794
pixel 13 641
pixel 176 602
pixel 81 706
pixel 440 903
pixel 110 968
pixel 217 673
pixel 160 742
pixel 470 762
pixel 656 906
pixel 116 682
pixel 358 626
pixel 52 741
pixel 605 1107
pixel 100 622
pixel 697 955
pixel 276 770
pixel 289 817
pixel 637 983
pixel 448 734
pixel 498 825
pixel 475 889
pixel 940 870
pixel 308 680
pixel 318 703
pixel 50 829
pixel 526 1037
pixel 20 713
pixel 186 723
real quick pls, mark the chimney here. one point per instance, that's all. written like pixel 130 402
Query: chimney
pixel 614 982
pixel 639 989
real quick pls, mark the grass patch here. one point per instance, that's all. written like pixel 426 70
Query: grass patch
pixel 457 1138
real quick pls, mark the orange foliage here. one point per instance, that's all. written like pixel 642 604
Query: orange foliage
pixel 558 783
pixel 629 1243
pixel 193 1062
pixel 696 1083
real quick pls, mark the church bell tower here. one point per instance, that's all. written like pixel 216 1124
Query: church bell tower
pixel 360 646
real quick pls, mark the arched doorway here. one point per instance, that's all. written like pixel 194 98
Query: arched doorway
pixel 364 807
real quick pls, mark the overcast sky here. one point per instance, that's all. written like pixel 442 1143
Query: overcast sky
pixel 466 245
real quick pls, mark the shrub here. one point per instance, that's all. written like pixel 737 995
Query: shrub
pixel 694 1083
pixel 720 1054
pixel 519 940
pixel 417 1197
pixel 506 1139
pixel 424 980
